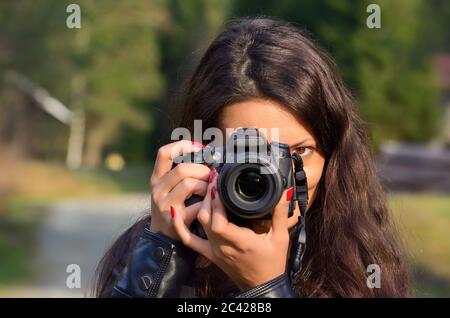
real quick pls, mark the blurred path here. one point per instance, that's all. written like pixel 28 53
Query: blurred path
pixel 78 231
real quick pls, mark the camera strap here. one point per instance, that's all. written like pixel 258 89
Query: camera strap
pixel 301 196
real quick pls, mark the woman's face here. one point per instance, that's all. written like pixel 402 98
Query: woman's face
pixel 268 114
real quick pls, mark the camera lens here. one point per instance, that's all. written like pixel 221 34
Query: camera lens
pixel 251 185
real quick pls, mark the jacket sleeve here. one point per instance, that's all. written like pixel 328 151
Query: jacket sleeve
pixel 157 267
pixel 279 287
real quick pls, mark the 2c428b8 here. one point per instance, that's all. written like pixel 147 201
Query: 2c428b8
pixel 246 307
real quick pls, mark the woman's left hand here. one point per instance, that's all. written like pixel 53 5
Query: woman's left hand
pixel 248 258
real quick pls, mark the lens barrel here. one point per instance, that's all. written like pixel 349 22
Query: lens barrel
pixel 251 189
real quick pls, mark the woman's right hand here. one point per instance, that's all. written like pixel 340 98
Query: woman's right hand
pixel 171 187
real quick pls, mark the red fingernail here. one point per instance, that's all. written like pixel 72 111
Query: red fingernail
pixel 212 175
pixel 172 212
pixel 213 192
pixel 289 194
pixel 198 144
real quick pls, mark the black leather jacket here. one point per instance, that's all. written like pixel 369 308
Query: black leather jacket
pixel 161 267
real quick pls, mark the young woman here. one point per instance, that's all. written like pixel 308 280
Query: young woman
pixel 264 73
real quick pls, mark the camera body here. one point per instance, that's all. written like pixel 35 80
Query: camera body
pixel 252 174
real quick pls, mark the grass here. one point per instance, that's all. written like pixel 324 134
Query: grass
pixel 43 181
pixel 424 224
pixel 16 243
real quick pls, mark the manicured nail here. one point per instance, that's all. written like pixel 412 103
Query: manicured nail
pixel 289 194
pixel 198 144
pixel 213 193
pixel 212 175
pixel 172 212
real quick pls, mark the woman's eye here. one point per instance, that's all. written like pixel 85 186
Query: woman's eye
pixel 303 151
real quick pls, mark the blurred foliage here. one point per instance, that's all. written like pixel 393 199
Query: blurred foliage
pixel 15 247
pixel 423 221
pixel 111 64
pixel 126 63
pixel 388 69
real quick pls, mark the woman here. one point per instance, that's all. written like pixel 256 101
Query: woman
pixel 264 73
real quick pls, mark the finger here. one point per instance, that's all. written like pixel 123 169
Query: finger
pixel 185 189
pixel 281 212
pixel 190 212
pixel 181 172
pixel 219 217
pixel 164 158
pixel 285 199
pixel 189 239
pixel 220 224
pixel 204 215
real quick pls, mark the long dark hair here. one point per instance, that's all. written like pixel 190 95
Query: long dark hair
pixel 348 224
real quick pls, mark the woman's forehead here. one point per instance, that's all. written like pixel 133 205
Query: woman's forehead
pixel 276 121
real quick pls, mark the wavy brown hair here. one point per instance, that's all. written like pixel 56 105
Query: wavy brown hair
pixel 348 225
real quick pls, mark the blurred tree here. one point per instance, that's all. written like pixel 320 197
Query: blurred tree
pixel 387 68
pixel 122 69
pixel 437 33
pixel 106 68
pixel 192 26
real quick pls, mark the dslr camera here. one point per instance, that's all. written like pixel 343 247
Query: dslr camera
pixel 252 174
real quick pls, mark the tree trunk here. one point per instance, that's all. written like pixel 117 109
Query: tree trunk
pixel 74 157
pixel 94 146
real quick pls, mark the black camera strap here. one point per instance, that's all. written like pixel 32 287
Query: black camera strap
pixel 301 196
